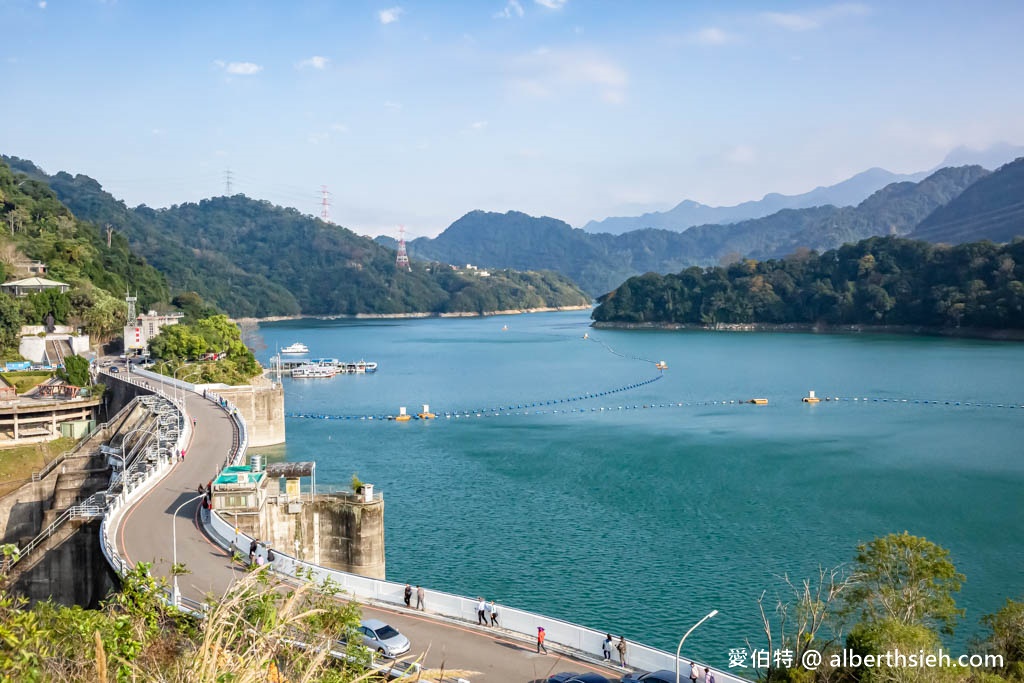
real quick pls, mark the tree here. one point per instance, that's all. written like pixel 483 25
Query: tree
pixel 76 371
pixel 1006 637
pixel 10 322
pixel 907 579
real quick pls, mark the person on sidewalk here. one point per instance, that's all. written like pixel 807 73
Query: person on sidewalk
pixel 494 614
pixel 481 609
pixel 419 597
pixel 621 647
pixel 606 648
pixel 408 595
pixel 693 672
pixel 541 635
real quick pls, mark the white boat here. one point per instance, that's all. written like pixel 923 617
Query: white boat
pixel 297 347
pixel 310 371
pixel 371 366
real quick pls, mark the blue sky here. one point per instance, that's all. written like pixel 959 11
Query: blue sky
pixel 414 113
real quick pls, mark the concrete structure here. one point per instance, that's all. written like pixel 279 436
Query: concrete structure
pixel 337 530
pixel 29 420
pixel 32 285
pixel 261 405
pixel 147 326
pixel 27 268
pixel 53 347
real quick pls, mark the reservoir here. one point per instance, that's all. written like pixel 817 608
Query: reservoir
pixel 641 520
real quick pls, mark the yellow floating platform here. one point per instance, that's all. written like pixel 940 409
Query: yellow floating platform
pixel 811 399
pixel 759 401
pixel 426 416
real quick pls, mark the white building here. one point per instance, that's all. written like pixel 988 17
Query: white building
pixel 147 326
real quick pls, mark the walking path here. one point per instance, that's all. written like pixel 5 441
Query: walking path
pixel 145 535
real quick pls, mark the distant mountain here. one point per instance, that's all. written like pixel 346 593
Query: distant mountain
pixel 255 259
pixel 849 192
pixel 690 213
pixel 990 209
pixel 599 262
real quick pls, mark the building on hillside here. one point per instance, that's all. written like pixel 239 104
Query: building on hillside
pixel 32 285
pixel 28 268
pixel 147 326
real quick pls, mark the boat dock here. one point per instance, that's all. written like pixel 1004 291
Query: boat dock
pixel 288 365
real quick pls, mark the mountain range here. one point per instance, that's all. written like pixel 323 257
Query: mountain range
pixel 599 262
pixel 849 192
pixel 252 258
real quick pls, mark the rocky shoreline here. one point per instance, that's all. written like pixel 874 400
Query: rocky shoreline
pixel 818 328
pixel 399 316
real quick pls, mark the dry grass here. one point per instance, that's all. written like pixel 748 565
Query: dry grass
pixel 17 463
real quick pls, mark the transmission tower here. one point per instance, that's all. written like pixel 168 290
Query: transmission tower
pixel 402 260
pixel 325 204
pixel 227 183
pixel 132 317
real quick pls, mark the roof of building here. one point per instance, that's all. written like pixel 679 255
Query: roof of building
pixel 290 470
pixel 35 282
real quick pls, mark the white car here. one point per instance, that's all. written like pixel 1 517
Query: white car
pixel 383 639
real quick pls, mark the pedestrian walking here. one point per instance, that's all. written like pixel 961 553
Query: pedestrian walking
pixel 541 635
pixel 693 672
pixel 487 613
pixel 408 595
pixel 481 608
pixel 606 648
pixel 708 676
pixel 494 614
pixel 194 421
pixel 419 597
pixel 621 647
pixel 252 552
pixel 260 561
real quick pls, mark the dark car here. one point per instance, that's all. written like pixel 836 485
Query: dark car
pixel 573 677
pixel 659 676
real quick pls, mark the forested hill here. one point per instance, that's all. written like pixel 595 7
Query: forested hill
pixel 878 281
pixel 601 262
pixel 37 227
pixel 255 259
pixel 992 209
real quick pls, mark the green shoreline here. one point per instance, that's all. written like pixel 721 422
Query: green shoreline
pixel 399 316
pixel 816 328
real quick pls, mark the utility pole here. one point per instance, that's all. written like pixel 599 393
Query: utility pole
pixel 227 183
pixel 325 204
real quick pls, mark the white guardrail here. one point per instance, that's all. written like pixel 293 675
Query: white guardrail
pixel 561 635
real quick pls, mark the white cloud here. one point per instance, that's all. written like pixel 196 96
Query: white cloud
pixel 42 4
pixel 512 7
pixel 814 19
pixel 239 68
pixel 545 71
pixel 741 155
pixel 712 35
pixel 315 62
pixel 478 125
pixel 552 4
pixel 390 15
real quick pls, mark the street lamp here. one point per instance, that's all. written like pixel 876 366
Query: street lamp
pixel 195 371
pixel 680 648
pixel 174 548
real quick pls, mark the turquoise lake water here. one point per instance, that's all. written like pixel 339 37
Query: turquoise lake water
pixel 640 521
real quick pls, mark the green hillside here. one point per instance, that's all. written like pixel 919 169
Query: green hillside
pixel 878 281
pixel 599 262
pixel 992 209
pixel 252 258
pixel 37 227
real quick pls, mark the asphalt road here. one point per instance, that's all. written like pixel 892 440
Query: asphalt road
pixel 146 536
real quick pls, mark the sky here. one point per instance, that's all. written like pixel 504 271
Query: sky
pixel 414 113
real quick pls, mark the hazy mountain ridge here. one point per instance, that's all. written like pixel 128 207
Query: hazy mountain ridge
pixel 849 192
pixel 599 262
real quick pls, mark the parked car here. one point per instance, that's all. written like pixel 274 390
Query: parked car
pixel 573 677
pixel 659 676
pixel 383 639
pixel 114 370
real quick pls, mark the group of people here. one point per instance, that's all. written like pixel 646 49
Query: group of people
pixel 486 613
pixel 259 560
pixel 420 594
pixel 606 649
pixel 695 676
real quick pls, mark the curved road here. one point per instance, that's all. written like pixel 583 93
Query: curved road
pixel 146 532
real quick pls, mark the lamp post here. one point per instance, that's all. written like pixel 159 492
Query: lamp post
pixel 174 548
pixel 680 648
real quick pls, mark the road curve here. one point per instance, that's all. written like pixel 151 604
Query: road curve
pixel 146 535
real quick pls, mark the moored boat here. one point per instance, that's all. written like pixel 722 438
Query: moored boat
pixel 297 347
pixel 311 371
